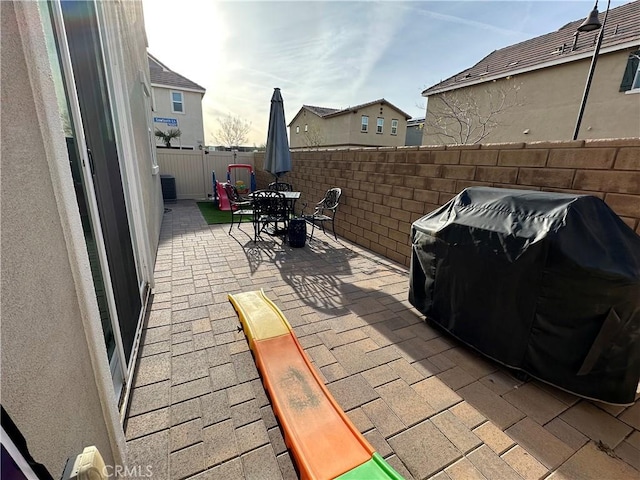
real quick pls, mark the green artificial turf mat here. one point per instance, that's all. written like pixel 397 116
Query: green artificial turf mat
pixel 214 216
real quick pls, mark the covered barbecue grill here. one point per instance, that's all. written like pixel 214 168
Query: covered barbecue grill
pixel 547 283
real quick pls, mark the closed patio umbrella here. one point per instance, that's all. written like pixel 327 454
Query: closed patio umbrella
pixel 277 159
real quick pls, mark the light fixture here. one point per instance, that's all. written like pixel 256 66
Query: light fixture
pixel 590 24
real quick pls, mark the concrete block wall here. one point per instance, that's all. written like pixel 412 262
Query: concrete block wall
pixel 386 189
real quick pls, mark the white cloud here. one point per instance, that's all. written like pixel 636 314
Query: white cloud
pixel 333 54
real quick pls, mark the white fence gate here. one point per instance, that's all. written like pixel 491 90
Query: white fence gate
pixel 193 170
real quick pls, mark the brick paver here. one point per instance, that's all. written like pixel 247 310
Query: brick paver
pixel 424 449
pixel 493 437
pixel 524 463
pixel 432 407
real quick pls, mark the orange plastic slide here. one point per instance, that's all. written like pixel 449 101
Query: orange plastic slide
pixel 323 441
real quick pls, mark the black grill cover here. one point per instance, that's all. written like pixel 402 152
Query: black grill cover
pixel 546 283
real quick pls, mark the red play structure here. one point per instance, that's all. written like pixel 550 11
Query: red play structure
pixel 218 188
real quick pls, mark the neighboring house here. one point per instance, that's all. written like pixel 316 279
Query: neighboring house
pixel 373 124
pixel 415 127
pixel 81 215
pixel 177 103
pixel 541 82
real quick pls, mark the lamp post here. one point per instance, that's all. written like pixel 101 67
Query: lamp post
pixel 590 24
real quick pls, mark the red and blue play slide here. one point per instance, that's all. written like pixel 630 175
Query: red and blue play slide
pixel 219 193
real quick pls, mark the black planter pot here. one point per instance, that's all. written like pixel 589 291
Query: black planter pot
pixel 297 232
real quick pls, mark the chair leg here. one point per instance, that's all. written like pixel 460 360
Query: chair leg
pixel 313 227
pixel 231 222
pixel 333 227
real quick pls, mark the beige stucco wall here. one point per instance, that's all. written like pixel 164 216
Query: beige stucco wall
pixel 550 100
pixel 344 130
pixel 190 122
pixel 56 383
pixel 316 135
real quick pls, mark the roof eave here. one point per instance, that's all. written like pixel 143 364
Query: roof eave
pixel 178 87
pixel 539 66
pixel 364 105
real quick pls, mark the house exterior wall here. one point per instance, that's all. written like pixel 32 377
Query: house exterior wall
pixel 345 130
pixel 190 122
pixel 316 135
pixel 550 100
pixel 414 135
pixel 56 383
pixel 386 189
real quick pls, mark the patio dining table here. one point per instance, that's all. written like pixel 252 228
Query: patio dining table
pixel 290 198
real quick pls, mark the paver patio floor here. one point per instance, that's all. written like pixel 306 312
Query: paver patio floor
pixel 428 404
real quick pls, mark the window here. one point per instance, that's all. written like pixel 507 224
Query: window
pixel 365 124
pixel 631 77
pixel 394 127
pixel 297 128
pixel 306 127
pixel 380 125
pixel 177 102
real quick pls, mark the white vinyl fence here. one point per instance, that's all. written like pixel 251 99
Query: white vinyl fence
pixel 193 170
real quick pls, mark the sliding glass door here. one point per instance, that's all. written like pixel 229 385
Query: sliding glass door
pixel 86 109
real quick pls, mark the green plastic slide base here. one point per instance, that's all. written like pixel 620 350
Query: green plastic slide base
pixel 374 469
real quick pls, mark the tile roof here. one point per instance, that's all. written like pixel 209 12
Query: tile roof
pixel 621 31
pixel 325 112
pixel 163 75
pixel 320 111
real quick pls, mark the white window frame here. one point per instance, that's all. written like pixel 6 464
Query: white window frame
pixel 394 127
pixel 297 129
pixel 153 100
pixel 380 125
pixel 173 102
pixel 635 85
pixel 306 127
pixel 364 123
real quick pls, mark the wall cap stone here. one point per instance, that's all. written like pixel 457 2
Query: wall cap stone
pixel 464 147
pixel 612 142
pixel 432 147
pixel 554 144
pixel 502 146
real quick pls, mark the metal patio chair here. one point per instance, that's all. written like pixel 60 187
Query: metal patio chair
pixel 270 209
pixel 281 186
pixel 240 206
pixel 325 211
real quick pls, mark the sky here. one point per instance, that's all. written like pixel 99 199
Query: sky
pixel 334 54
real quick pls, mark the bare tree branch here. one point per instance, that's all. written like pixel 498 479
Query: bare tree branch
pixel 313 137
pixel 462 117
pixel 232 131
